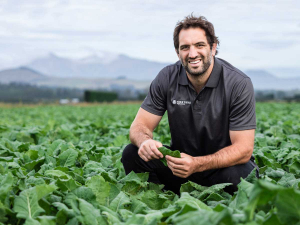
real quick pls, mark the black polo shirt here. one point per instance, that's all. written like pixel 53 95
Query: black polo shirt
pixel 200 124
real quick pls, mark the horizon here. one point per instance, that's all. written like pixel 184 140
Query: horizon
pixel 78 58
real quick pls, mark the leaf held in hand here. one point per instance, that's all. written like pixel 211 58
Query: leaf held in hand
pixel 165 151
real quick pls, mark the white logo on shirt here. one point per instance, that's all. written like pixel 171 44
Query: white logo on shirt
pixel 181 102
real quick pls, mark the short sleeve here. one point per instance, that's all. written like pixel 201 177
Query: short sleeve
pixel 242 106
pixel 156 99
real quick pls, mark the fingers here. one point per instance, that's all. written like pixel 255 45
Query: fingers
pixel 174 160
pixel 155 150
pixel 148 150
pixel 183 155
pixel 143 154
pixel 174 166
pixel 178 174
pixel 178 171
pixel 181 167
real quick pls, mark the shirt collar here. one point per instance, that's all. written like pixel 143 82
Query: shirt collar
pixel 213 79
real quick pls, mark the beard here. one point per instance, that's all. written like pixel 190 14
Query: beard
pixel 206 62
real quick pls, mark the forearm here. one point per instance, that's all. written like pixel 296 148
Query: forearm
pixel 226 157
pixel 139 133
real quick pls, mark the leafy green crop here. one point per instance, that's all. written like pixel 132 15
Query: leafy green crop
pixel 61 165
pixel 165 151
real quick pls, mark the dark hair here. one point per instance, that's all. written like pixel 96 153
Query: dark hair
pixel 196 22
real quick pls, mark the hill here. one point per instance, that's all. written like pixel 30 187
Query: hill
pixel 263 80
pixel 85 74
pixel 28 76
pixel 95 66
pixel 21 75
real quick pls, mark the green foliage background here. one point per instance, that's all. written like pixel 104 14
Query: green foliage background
pixel 61 165
pixel 100 96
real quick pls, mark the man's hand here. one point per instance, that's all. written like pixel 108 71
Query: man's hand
pixel 182 167
pixel 148 150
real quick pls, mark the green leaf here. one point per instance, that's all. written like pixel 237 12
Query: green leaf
pixel 251 178
pixel 3 212
pixel 89 213
pixel 138 206
pixel 114 191
pixel 6 184
pixel 288 205
pixel 136 219
pixel 35 181
pixel 136 177
pixel 263 192
pixel 242 197
pixel 57 173
pixel 68 158
pixel 289 180
pixel 119 202
pixel 35 164
pixel 100 188
pixel 295 167
pixel 153 200
pixel 111 216
pixel 120 140
pixel 132 188
pixel 165 151
pixel 43 190
pixel 67 184
pixel 81 192
pixel 26 204
pixel 203 217
pixel 186 199
pixel 64 210
pixel 184 210
pixel 31 221
pixel 201 192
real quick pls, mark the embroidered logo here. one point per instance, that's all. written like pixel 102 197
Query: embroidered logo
pixel 181 102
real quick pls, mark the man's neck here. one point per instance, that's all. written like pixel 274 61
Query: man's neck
pixel 200 81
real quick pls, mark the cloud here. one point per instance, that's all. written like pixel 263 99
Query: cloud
pixel 144 29
pixel 274 45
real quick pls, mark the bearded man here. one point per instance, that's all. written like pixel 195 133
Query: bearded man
pixel 211 113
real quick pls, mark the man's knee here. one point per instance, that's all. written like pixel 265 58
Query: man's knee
pixel 129 153
pixel 129 156
pixel 234 174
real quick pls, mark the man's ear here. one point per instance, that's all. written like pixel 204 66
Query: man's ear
pixel 214 49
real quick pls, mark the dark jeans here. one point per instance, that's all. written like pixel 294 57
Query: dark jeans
pixel 160 174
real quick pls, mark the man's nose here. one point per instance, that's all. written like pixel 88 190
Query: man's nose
pixel 193 52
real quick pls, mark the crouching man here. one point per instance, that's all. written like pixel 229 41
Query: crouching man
pixel 211 113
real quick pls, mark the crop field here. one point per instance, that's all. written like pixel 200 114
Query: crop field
pixel 61 165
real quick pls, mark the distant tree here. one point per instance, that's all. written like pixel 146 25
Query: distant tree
pixel 20 92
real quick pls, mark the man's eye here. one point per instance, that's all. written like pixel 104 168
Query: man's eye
pixel 184 47
pixel 200 45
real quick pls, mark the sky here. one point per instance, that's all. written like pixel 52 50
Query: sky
pixel 256 34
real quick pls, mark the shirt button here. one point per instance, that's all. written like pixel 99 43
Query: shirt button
pixel 197 101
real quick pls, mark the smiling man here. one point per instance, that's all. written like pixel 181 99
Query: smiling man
pixel 211 113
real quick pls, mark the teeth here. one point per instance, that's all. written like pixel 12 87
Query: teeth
pixel 195 62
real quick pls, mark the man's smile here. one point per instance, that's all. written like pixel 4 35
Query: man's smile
pixel 194 62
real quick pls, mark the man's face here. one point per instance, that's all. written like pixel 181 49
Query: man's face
pixel 194 51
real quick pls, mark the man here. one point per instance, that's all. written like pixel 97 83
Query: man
pixel 211 113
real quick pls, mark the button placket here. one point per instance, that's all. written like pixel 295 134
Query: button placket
pixel 197 104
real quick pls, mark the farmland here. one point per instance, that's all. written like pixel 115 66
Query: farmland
pixel 61 165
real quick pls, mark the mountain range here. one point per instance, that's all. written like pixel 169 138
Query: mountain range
pixel 97 66
pixel 110 71
pixel 30 76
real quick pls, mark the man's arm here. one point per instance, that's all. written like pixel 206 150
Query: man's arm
pixel 238 153
pixel 141 134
